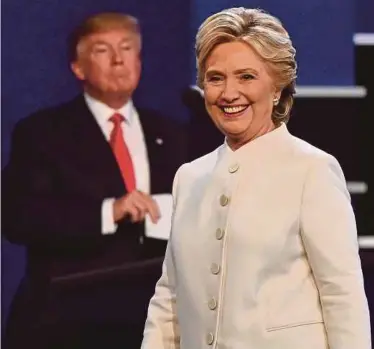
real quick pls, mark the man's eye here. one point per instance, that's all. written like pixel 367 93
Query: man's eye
pixel 100 50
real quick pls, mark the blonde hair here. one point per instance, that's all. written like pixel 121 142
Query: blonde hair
pixel 99 23
pixel 266 35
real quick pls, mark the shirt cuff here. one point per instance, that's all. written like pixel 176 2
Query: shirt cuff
pixel 108 226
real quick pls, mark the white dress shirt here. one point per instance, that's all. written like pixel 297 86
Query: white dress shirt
pixel 134 138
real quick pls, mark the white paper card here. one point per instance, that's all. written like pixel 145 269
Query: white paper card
pixel 160 230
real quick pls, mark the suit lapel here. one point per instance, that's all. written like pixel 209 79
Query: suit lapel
pixel 94 150
pixel 156 147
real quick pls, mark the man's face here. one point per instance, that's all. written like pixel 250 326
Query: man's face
pixel 109 63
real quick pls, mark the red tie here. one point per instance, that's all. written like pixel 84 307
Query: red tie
pixel 121 152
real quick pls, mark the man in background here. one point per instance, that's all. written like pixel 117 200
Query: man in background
pixel 76 191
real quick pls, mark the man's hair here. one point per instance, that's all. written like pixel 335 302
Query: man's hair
pixel 100 23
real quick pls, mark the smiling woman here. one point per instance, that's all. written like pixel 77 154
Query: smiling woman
pixel 250 70
pixel 239 92
pixel 267 215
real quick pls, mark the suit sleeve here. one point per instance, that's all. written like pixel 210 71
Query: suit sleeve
pixel 32 210
pixel 162 327
pixel 330 238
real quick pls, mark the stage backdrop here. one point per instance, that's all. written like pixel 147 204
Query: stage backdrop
pixel 364 22
pixel 35 72
pixel 321 32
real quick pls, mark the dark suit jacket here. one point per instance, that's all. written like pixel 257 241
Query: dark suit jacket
pixel 61 168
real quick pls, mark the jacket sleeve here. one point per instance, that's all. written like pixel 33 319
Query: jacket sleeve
pixel 330 238
pixel 162 327
pixel 33 211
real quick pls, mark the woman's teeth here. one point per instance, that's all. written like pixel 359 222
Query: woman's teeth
pixel 234 110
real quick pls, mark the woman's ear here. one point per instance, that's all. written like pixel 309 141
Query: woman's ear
pixel 276 97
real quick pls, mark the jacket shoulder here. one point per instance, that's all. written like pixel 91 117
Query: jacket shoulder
pixel 201 165
pixel 159 120
pixel 47 117
pixel 313 155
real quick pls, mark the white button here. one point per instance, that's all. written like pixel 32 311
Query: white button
pixel 210 338
pixel 212 304
pixel 219 233
pixel 215 268
pixel 233 168
pixel 224 200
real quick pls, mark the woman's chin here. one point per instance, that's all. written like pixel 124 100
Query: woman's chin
pixel 236 127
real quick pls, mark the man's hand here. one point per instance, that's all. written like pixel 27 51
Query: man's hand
pixel 136 205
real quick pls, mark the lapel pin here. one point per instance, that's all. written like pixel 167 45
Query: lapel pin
pixel 159 141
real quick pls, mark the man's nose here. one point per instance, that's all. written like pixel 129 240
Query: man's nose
pixel 117 57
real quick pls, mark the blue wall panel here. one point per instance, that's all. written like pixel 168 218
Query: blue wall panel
pixel 321 31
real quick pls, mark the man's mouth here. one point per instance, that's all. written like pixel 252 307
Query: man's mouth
pixel 233 109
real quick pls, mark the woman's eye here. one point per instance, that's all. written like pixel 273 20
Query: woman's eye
pixel 246 77
pixel 215 79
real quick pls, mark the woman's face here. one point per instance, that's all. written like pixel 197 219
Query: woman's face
pixel 239 92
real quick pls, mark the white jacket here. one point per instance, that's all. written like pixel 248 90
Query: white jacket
pixel 263 254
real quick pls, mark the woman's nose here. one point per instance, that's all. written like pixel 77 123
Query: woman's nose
pixel 230 91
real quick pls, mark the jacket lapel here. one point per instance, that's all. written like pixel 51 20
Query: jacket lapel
pixel 156 148
pixel 94 150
